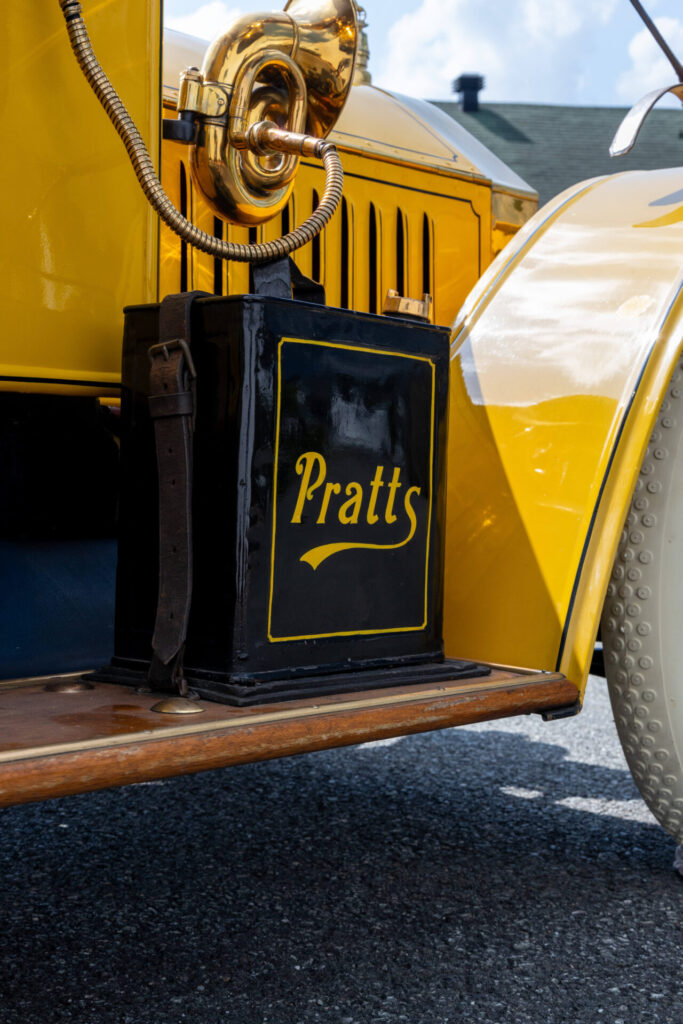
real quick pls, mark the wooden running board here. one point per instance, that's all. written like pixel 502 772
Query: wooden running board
pixel 58 743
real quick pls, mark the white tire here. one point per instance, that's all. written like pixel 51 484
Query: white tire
pixel 642 624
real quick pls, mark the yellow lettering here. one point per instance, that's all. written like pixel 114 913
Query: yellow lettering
pixel 305 465
pixel 409 508
pixel 312 468
pixel 330 489
pixel 377 482
pixel 350 510
pixel 316 556
pixel 389 516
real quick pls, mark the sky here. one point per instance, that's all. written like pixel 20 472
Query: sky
pixel 584 52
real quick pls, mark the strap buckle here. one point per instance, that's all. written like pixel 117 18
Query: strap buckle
pixel 164 348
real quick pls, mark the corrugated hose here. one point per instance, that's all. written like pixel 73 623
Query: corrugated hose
pixel 262 134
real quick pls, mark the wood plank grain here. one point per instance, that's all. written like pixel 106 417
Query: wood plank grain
pixel 157 749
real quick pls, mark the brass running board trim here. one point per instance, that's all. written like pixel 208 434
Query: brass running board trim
pixel 111 737
pixel 266 718
pixel 22 684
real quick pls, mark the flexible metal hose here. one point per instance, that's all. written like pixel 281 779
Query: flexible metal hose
pixel 151 186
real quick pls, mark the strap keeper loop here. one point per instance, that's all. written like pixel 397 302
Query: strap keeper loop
pixel 179 403
pixel 164 348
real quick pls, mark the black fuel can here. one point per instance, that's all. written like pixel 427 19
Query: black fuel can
pixel 318 500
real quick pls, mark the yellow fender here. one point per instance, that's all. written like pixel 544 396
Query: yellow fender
pixel 559 363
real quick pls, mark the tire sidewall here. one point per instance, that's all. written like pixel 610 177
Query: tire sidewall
pixel 642 625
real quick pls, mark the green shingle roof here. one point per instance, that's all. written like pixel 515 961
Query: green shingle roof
pixel 553 147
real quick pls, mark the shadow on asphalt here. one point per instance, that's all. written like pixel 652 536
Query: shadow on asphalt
pixel 378 883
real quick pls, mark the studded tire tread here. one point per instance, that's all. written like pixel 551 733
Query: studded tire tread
pixel 643 650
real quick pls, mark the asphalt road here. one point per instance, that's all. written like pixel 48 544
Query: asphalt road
pixel 485 875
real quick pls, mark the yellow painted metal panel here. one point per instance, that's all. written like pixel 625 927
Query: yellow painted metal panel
pixel 459 213
pixel 80 241
pixel 574 328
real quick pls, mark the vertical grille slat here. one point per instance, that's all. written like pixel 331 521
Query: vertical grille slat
pixel 218 264
pixel 400 253
pixel 315 246
pixel 373 270
pixel 344 269
pixel 183 245
pixel 426 256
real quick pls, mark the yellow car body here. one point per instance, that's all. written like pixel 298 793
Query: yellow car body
pixel 560 354
pixel 566 330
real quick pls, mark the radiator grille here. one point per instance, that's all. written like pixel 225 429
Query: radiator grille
pixel 396 227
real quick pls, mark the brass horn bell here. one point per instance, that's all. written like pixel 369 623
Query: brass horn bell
pixel 294 69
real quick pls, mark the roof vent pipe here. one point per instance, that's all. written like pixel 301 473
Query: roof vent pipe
pixel 469 87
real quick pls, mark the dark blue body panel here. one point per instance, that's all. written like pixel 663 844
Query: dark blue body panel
pixel 56 605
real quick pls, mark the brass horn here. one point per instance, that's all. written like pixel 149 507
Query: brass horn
pixel 293 69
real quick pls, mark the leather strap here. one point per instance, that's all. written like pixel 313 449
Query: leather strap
pixel 172 409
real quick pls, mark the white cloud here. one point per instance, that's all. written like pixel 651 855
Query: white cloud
pixel 649 67
pixel 534 54
pixel 534 51
pixel 559 19
pixel 208 21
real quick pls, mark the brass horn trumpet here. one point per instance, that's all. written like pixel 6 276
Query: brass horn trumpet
pixel 293 69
